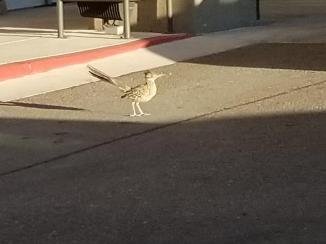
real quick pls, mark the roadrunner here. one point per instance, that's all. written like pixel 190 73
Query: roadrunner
pixel 138 94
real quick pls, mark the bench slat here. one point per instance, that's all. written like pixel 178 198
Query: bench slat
pixel 103 10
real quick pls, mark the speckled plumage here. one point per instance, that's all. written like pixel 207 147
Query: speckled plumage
pixel 138 94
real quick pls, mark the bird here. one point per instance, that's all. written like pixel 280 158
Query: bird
pixel 139 94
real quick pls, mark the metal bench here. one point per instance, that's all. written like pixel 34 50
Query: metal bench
pixel 104 9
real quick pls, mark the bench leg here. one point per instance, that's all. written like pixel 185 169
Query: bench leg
pixel 60 19
pixel 126 20
pixel 169 7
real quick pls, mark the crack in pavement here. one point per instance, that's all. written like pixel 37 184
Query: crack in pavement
pixel 105 143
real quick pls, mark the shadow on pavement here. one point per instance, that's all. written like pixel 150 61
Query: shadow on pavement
pixel 295 56
pixel 258 179
pixel 39 106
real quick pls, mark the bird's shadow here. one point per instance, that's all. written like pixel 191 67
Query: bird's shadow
pixel 39 106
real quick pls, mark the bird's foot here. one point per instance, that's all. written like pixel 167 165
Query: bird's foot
pixel 143 114
pixel 139 115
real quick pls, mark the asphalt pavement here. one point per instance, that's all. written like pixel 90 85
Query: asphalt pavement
pixel 234 152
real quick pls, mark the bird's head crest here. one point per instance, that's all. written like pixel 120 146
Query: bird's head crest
pixel 148 74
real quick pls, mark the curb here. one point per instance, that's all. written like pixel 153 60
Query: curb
pixel 33 66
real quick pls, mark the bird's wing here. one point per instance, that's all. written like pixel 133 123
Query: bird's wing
pixel 137 92
pixel 101 75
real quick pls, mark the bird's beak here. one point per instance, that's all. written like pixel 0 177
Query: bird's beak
pixel 161 75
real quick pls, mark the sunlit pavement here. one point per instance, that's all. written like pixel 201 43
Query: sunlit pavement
pixel 310 30
pixel 234 152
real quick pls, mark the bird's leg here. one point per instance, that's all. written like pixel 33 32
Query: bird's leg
pixel 134 110
pixel 140 110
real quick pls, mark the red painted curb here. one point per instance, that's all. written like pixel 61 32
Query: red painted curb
pixel 19 69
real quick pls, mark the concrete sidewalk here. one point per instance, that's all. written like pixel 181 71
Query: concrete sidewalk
pixel 234 152
pixel 29 47
pixel 32 33
pixel 122 57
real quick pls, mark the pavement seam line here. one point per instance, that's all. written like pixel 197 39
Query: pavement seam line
pixel 98 145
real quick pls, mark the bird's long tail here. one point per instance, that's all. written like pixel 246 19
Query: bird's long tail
pixel 101 75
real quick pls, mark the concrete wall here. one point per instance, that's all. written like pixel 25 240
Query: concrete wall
pixel 278 9
pixel 196 16
pixel 151 16
pixel 213 15
pixel 3 7
pixel 18 4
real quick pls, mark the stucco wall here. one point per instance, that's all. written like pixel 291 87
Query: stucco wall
pixel 196 16
pixel 3 7
pixel 151 16
pixel 213 15
pixel 18 4
pixel 278 9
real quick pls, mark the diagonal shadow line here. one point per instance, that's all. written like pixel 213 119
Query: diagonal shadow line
pixel 39 106
pixel 105 143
